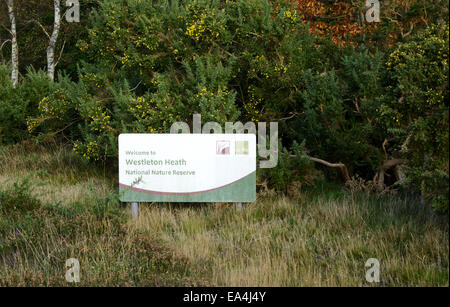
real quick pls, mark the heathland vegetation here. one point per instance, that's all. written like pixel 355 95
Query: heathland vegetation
pixel 363 114
pixel 55 206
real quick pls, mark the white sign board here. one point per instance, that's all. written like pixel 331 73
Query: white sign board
pixel 187 167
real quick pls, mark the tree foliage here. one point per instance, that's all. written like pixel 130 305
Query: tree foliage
pixel 371 97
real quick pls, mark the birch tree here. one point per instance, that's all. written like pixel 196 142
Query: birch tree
pixel 51 61
pixel 15 48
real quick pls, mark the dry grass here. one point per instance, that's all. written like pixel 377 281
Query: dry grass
pixel 58 175
pixel 320 238
pixel 70 211
pixel 312 241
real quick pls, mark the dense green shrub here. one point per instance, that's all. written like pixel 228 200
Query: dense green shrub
pixel 294 171
pixel 417 112
pixel 149 64
pixel 17 104
pixel 335 111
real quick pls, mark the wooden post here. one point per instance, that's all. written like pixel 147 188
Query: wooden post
pixel 239 206
pixel 134 210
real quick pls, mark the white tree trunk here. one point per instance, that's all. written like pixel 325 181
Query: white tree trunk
pixel 15 47
pixel 51 61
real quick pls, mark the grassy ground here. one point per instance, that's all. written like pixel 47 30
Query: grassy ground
pixel 66 208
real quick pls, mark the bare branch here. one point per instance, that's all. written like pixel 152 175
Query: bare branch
pixel 293 114
pixel 390 163
pixel 60 53
pixel 131 90
pixel 385 142
pixel 9 31
pixel 1 47
pixel 339 165
pixel 41 26
pixel 334 165
pixel 411 28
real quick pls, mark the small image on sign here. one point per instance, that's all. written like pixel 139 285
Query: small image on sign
pixel 241 147
pixel 223 147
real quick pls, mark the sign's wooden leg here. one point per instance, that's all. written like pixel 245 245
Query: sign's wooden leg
pixel 135 210
pixel 238 206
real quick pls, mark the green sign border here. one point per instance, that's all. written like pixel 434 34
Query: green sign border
pixel 242 190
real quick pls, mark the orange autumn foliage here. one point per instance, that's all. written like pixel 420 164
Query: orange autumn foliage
pixel 342 21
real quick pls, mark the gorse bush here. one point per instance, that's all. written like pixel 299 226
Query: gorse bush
pixel 337 110
pixel 145 65
pixel 17 104
pixel 417 111
pixel 151 64
pixel 294 171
